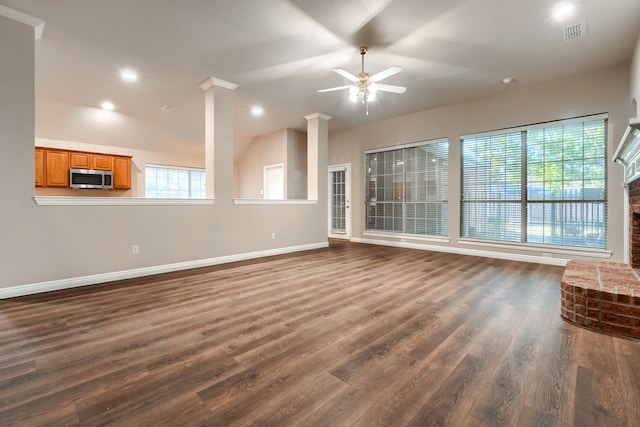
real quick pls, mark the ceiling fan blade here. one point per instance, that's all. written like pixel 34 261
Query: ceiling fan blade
pixel 331 89
pixel 346 74
pixel 386 73
pixel 391 88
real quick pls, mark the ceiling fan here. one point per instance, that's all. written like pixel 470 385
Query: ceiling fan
pixel 365 86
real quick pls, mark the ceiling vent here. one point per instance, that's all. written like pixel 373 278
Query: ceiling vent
pixel 574 31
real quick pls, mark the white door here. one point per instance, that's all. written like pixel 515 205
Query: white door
pixel 340 201
pixel 274 182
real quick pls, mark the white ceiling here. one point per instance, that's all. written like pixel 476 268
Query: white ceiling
pixel 280 52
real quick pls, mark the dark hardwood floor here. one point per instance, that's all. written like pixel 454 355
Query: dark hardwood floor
pixel 350 335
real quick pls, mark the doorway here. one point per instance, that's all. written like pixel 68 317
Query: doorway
pixel 273 182
pixel 340 201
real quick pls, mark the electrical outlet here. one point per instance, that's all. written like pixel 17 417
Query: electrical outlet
pixel 546 255
pixel 135 249
pixel 273 236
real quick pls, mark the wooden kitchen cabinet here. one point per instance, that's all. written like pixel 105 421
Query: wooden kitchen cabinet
pixel 52 166
pixel 121 173
pixel 56 168
pixel 40 178
pixel 102 162
pixel 80 160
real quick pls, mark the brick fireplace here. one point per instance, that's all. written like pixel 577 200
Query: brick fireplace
pixel 634 223
pixel 603 295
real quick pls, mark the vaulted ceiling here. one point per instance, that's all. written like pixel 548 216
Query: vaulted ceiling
pixel 280 52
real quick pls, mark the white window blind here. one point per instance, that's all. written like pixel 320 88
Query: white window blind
pixel 168 182
pixel 540 185
pixel 408 189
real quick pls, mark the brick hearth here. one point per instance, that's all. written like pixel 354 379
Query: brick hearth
pixel 603 296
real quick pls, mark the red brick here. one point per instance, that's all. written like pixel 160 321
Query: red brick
pixel 592 293
pixel 624 298
pixel 580 319
pixel 593 303
pixel 579 299
pixel 592 323
pixel 626 310
pixel 593 313
pixel 620 320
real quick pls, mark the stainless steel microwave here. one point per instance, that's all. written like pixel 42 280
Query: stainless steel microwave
pixel 90 178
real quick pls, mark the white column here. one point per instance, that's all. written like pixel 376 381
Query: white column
pixel 218 137
pixel 317 154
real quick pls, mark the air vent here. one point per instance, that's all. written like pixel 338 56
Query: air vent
pixel 574 31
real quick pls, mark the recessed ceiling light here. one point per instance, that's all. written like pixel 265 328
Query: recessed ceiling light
pixel 107 105
pixel 128 75
pixel 257 111
pixel 563 10
pixel 507 80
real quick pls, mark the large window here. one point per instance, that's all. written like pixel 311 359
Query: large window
pixel 168 182
pixel 407 189
pixel 543 184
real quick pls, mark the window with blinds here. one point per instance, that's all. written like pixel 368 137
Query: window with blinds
pixel 407 189
pixel 543 184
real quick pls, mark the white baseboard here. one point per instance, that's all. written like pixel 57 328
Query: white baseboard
pixel 55 285
pixel 464 251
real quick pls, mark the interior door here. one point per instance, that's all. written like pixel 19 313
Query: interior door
pixel 340 201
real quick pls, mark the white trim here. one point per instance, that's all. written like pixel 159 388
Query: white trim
pixel 212 81
pixel 16 15
pixel 181 168
pixel 564 250
pixel 552 123
pixel 55 285
pixel 317 116
pixel 346 167
pixel 463 251
pixel 274 202
pixel 117 201
pixel 407 145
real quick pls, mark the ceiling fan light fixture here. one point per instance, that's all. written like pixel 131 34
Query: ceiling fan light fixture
pixel 353 97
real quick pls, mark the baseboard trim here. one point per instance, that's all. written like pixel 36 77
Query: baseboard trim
pixel 465 251
pixel 74 282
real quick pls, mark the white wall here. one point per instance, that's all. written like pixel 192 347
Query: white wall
pixel 49 243
pixel 635 82
pixel 596 92
pixel 296 168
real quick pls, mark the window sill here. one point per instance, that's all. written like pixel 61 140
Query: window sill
pixel 117 201
pixel 405 237
pixel 274 202
pixel 560 250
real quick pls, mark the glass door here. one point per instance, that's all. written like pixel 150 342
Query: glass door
pixel 340 202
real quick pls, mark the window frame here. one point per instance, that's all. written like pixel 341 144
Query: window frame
pixel 526 201
pixel 402 203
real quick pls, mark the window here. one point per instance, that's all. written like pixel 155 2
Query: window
pixel 407 189
pixel 543 184
pixel 168 182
